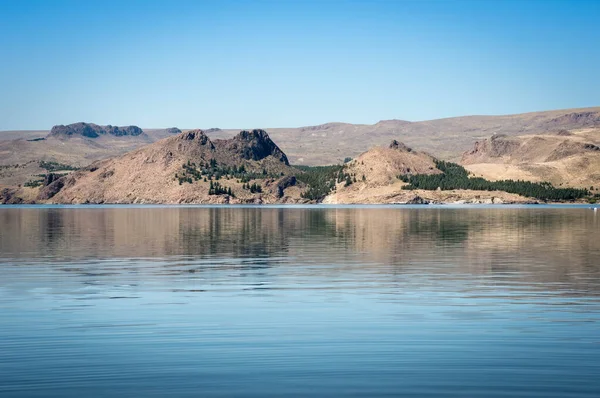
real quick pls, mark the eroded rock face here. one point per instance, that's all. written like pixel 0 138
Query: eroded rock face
pixel 417 200
pixel 9 197
pixel 495 147
pixel 91 130
pixel 283 183
pixel 567 148
pixel 51 189
pixel 576 119
pixel 254 145
pixel 122 131
pixel 197 136
pixel 50 178
pixel 399 146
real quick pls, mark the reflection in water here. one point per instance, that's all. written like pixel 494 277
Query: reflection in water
pixel 231 301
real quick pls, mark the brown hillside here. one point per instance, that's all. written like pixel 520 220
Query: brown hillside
pixel 20 159
pixel 445 138
pixel 331 142
pixel 380 167
pixel 150 174
pixel 571 159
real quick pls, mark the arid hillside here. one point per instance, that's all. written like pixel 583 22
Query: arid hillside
pixel 250 168
pixel 73 146
pixel 332 142
pixel 566 158
pixel 374 179
pixel 560 147
pixel 444 138
pixel 186 168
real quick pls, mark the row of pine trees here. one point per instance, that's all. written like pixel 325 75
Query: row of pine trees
pixel 454 176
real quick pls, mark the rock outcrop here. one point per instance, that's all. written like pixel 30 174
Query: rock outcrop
pixel 285 182
pixel 253 145
pixel 8 196
pixel 570 148
pixel 91 130
pixel 50 190
pixel 576 120
pixel 399 146
pixel 50 178
pixel 496 146
pixel 197 136
pixel 173 130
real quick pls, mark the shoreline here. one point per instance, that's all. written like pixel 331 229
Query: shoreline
pixel 306 206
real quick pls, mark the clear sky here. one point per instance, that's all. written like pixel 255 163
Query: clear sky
pixel 246 64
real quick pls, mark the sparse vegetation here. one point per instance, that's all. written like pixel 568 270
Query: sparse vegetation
pixel 33 183
pixel 10 166
pixel 192 171
pixel 55 166
pixel 594 199
pixel 454 176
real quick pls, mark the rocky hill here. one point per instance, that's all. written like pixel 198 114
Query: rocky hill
pixel 186 168
pixel 565 158
pixel 398 174
pixel 91 130
pixel 374 179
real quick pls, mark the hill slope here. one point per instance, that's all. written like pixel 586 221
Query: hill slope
pixel 74 146
pixel 445 138
pixel 331 142
pixel 382 175
pixel 566 158
pixel 186 168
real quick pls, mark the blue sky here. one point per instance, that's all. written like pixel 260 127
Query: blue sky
pixel 247 64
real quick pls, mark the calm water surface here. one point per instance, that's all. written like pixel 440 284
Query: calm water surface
pixel 218 301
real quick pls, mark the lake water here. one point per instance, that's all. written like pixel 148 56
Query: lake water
pixel 299 301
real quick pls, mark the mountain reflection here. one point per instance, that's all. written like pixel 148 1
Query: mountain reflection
pixel 541 245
